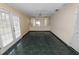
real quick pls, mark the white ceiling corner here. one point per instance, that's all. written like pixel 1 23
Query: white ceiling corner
pixel 34 9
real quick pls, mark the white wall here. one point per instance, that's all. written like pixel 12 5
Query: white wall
pixel 63 23
pixel 75 38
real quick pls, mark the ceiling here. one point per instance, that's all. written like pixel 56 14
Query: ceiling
pixel 35 9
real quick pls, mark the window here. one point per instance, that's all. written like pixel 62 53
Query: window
pixel 9 28
pixel 32 21
pixel 46 22
pixel 39 22
pixel 16 26
pixel 5 29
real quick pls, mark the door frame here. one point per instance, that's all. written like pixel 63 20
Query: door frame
pixel 13 30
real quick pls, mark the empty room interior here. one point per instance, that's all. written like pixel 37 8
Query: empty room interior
pixel 39 29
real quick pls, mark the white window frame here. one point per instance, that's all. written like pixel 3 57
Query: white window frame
pixel 3 49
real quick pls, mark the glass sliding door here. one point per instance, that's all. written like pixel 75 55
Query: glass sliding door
pixel 9 29
pixel 16 26
pixel 6 35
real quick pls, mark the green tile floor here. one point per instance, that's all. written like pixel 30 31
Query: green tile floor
pixel 41 43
